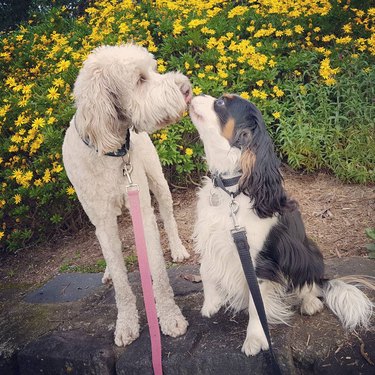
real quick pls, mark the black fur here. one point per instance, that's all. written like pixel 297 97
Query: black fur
pixel 290 255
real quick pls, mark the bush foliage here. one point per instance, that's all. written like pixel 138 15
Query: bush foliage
pixel 308 65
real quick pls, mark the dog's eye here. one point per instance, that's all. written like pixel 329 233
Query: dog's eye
pixel 141 79
pixel 220 102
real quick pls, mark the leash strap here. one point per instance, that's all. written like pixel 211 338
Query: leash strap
pixel 240 239
pixel 146 280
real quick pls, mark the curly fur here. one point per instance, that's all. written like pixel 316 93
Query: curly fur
pixel 288 264
pixel 118 88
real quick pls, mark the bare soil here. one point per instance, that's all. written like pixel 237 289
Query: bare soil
pixel 335 215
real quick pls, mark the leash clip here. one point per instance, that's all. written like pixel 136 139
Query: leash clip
pixel 234 206
pixel 127 169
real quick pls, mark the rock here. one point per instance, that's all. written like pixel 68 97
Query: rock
pixel 73 334
pixel 74 353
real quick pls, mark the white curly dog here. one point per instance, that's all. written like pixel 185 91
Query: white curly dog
pixel 117 89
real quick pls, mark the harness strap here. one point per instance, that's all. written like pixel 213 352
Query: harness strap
pixel 240 239
pixel 146 281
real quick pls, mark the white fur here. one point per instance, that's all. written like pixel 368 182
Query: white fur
pixel 223 279
pixel 350 304
pixel 118 88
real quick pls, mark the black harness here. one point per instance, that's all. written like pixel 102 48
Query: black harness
pixel 240 239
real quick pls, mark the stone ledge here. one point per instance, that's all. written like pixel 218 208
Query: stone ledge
pixel 76 337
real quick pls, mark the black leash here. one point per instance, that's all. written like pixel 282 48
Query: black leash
pixel 243 248
pixel 240 239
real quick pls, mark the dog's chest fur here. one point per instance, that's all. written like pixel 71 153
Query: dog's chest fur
pixel 214 241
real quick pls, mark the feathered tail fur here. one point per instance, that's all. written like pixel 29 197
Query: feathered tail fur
pixel 348 302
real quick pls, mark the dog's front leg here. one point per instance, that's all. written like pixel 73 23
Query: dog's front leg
pixel 127 325
pixel 255 338
pixel 171 320
pixel 212 299
pixel 159 187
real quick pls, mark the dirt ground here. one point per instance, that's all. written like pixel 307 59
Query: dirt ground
pixel 335 216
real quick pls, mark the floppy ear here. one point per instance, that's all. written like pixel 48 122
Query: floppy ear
pixel 261 178
pixel 100 116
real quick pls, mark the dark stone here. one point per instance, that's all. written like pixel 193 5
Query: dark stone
pixel 8 363
pixel 67 287
pixel 179 279
pixel 337 267
pixel 74 353
pixel 210 346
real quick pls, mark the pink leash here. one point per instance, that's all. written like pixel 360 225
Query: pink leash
pixel 144 269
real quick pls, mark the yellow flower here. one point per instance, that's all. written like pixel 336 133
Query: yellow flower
pixel 53 94
pixel 272 63
pixel 123 28
pixel 38 123
pixel 51 120
pixel 11 82
pixel 278 92
pixel 62 65
pixel 70 190
pixel 17 198
pixel 276 115
pixel 163 137
pixel 13 148
pixel 245 95
pixel 177 27
pixel 259 83
pixel 196 22
pixel 47 176
pixel 237 11
pixel 188 151
pixel 1 235
pixel 197 90
pixel 58 82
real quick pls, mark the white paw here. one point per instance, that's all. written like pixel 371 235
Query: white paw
pixel 179 253
pixel 126 332
pixel 209 309
pixel 311 305
pixel 254 344
pixel 173 325
pixel 106 279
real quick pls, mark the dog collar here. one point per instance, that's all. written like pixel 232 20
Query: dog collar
pixel 223 183
pixel 122 151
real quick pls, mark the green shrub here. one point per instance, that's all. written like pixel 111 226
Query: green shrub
pixel 308 67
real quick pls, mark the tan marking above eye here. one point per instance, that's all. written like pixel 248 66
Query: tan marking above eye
pixel 228 129
pixel 228 96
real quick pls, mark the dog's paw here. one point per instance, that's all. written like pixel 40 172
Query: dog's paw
pixel 254 344
pixel 173 325
pixel 106 279
pixel 311 305
pixel 126 332
pixel 210 309
pixel 179 253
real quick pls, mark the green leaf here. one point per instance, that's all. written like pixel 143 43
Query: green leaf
pixel 370 232
pixel 370 247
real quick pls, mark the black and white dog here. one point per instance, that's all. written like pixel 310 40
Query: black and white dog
pixel 288 264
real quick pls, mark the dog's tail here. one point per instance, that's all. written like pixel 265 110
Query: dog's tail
pixel 348 302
